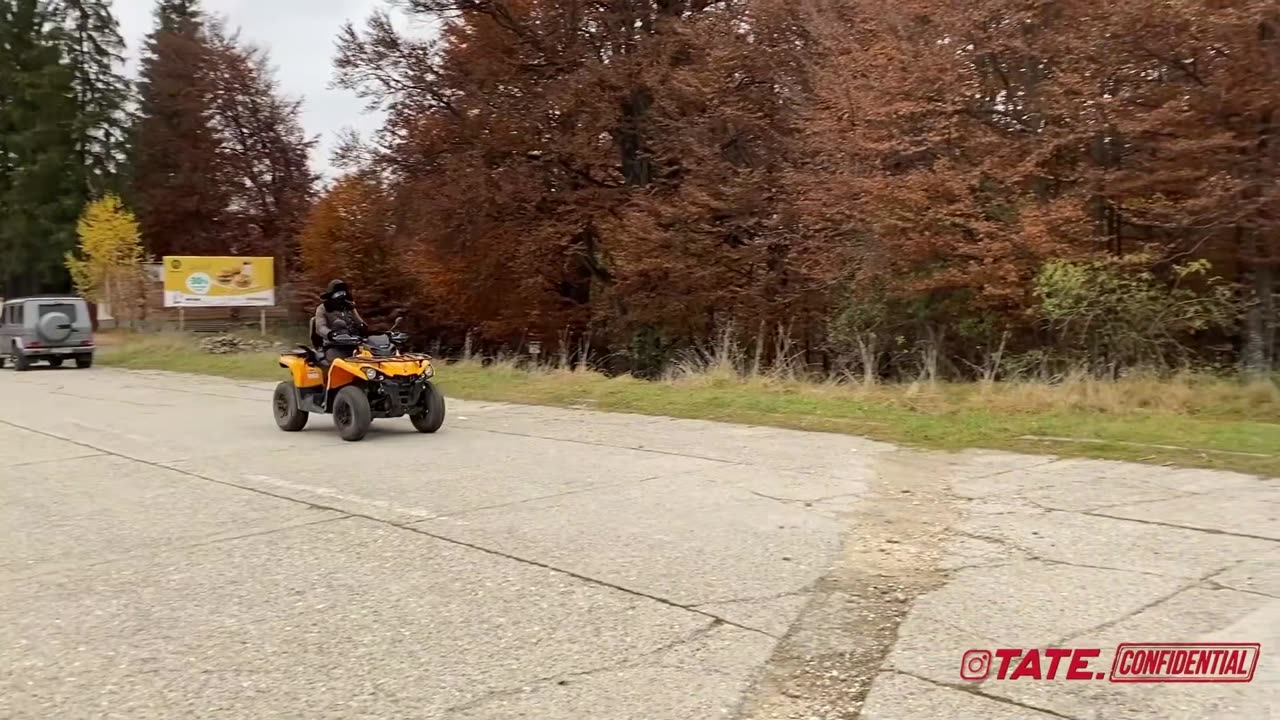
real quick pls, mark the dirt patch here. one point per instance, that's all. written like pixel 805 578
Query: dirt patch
pixel 824 667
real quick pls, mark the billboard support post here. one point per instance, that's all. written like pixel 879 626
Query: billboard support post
pixel 182 318
pixel 262 318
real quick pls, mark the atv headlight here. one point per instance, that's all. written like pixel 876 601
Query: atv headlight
pixel 371 374
pixel 428 372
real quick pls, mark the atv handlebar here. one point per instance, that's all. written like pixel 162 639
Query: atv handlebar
pixel 343 339
pixel 342 336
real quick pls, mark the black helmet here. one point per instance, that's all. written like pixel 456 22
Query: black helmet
pixel 337 289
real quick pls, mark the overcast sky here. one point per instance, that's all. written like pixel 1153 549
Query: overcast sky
pixel 300 36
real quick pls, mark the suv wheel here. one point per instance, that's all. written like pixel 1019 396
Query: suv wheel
pixel 84 361
pixel 20 361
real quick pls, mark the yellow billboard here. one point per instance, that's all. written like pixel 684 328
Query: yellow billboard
pixel 219 281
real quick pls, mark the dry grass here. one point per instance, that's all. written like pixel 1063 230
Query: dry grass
pixel 1180 394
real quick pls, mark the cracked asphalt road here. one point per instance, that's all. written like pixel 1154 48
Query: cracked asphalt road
pixel 166 552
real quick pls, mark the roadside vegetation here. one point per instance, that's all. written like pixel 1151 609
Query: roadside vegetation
pixel 1194 420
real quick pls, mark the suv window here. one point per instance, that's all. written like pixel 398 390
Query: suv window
pixel 68 309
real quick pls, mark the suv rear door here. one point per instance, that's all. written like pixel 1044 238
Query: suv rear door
pixel 81 330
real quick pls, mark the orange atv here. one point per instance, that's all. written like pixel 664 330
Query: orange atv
pixel 378 380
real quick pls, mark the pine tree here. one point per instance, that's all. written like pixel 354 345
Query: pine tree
pixel 39 178
pixel 95 53
pixel 178 16
pixel 173 163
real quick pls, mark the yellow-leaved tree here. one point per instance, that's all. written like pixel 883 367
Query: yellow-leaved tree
pixel 108 270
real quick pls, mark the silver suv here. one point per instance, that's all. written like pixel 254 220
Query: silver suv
pixel 48 329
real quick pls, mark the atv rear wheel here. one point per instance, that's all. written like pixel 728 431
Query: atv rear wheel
pixel 428 417
pixel 55 362
pixel 352 414
pixel 84 362
pixel 285 406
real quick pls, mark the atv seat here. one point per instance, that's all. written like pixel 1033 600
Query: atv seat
pixel 309 354
pixel 317 342
pixel 315 354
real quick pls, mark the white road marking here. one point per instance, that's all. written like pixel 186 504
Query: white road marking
pixel 330 492
pixel 95 428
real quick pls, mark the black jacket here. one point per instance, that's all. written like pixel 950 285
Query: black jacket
pixel 330 312
pixel 325 320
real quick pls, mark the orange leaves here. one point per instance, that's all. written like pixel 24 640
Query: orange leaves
pixel 624 169
pixel 962 147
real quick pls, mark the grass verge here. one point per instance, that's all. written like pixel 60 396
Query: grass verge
pixel 1192 421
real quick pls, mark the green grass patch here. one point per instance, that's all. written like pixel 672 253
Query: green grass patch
pixel 1203 421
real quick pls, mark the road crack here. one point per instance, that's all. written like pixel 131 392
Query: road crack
pixel 1032 556
pixel 564 678
pixel 1100 627
pixel 977 692
pixel 1161 523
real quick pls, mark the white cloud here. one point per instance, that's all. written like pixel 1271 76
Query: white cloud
pixel 300 36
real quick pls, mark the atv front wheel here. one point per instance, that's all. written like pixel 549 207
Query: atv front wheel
pixel 430 415
pixel 352 414
pixel 285 405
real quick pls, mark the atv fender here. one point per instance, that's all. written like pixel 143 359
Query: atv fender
pixel 304 375
pixel 342 373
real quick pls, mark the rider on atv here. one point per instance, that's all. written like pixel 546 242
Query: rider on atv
pixel 337 312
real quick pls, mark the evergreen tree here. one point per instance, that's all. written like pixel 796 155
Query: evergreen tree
pixel 174 154
pixel 40 180
pixel 178 16
pixel 95 53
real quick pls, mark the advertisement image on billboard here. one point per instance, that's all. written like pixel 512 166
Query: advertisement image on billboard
pixel 219 282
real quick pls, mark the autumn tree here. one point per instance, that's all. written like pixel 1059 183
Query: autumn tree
pixel 350 234
pixel 1186 121
pixel 604 168
pixel 952 151
pixel 108 267
pixel 921 158
pixel 262 150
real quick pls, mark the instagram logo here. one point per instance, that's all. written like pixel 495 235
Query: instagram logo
pixel 975 665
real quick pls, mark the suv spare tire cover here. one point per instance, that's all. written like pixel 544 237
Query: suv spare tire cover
pixel 54 327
